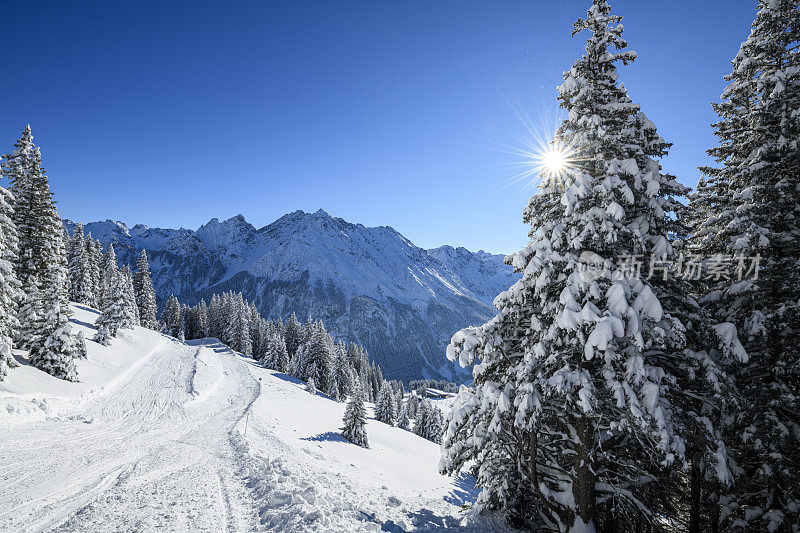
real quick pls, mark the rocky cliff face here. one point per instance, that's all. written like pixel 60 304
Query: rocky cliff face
pixel 369 285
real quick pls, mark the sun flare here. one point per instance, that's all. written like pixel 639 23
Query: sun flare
pixel 554 160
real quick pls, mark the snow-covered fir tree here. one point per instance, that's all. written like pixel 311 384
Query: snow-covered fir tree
pixel 80 346
pixel 189 321
pixel 202 319
pixel 243 342
pixel 293 334
pixel 21 169
pixel 413 405
pixel 57 355
pixel 429 423
pixel 400 392
pixel 571 404
pixel 10 288
pixel 171 316
pixel 403 421
pixel 81 288
pixel 41 265
pixel 103 335
pixel 228 314
pixel 258 329
pixel 315 357
pixel 422 418
pixel 215 318
pixel 115 313
pixel 131 309
pixel 276 356
pixel 94 257
pixel 436 425
pixel 145 295
pixel 341 373
pixel 376 380
pixel 749 206
pixel 385 408
pixel 30 314
pixel 355 420
pixel 108 273
pixel 237 330
pixel 311 387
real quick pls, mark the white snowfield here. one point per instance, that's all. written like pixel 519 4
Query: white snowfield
pixel 154 438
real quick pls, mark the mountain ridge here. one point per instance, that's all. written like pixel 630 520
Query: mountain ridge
pixel 369 284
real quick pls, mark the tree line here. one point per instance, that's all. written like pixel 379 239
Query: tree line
pixel 610 400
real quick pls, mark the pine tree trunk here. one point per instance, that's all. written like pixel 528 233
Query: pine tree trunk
pixel 609 522
pixel 533 472
pixel 583 487
pixel 695 493
pixel 714 518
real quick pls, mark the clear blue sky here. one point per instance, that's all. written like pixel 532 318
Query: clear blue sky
pixel 384 113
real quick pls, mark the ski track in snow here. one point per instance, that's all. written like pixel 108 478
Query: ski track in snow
pixel 167 450
pixel 147 457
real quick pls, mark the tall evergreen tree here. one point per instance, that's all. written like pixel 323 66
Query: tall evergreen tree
pixel 341 372
pixel 571 404
pixel 108 275
pixel 403 421
pixel 749 206
pixel 293 334
pixel 189 315
pixel 94 258
pixel 21 168
pixel 413 405
pixel 80 275
pixel 202 319
pixel 276 356
pixel 316 358
pixel 423 418
pixel 42 264
pixel 241 322
pixel 145 295
pixel 385 409
pixel 129 295
pixel 114 314
pixel 355 421
pixel 171 317
pixel 215 318
pixel 10 288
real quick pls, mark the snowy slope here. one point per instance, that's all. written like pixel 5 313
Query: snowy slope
pixel 28 394
pixel 184 437
pixel 392 486
pixel 370 285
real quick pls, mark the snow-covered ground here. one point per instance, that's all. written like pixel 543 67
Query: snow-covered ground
pixel 154 438
pixel 29 394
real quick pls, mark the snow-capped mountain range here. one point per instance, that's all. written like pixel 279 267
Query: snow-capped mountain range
pixel 369 285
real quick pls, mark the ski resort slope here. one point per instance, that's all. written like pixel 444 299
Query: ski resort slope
pixel 162 444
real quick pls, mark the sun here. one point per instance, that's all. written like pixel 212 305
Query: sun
pixel 554 160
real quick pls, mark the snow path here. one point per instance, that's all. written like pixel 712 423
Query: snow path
pixel 157 453
pixel 165 448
